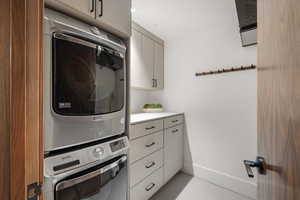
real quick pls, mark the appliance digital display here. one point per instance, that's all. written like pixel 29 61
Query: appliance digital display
pixel 117 145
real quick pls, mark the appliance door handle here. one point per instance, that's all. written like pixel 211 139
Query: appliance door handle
pixel 98 47
pixel 69 183
pixel 65 37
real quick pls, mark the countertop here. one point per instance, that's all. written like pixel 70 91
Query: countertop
pixel 143 117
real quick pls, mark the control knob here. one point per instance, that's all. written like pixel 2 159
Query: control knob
pixel 98 152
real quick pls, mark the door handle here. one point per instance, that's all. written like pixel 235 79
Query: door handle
pixel 92 6
pixel 150 145
pixel 149 128
pixel 175 131
pixel 260 164
pixel 150 165
pixel 148 188
pixel 101 8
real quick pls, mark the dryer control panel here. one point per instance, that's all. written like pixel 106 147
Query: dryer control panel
pixel 95 154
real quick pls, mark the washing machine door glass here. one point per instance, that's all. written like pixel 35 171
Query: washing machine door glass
pixel 88 78
pixel 107 181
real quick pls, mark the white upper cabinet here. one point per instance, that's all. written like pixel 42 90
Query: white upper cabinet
pixel 113 15
pixel 147 60
pixel 116 13
pixel 136 58
pixel 159 65
pixel 87 7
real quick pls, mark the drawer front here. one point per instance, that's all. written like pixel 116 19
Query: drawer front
pixel 148 187
pixel 144 146
pixel 142 129
pixel 173 121
pixel 143 168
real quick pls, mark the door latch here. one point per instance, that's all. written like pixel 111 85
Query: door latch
pixel 34 190
pixel 260 164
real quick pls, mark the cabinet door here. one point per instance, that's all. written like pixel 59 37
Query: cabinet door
pixel 115 13
pixel 142 61
pixel 136 59
pixel 84 6
pixel 148 62
pixel 173 151
pixel 159 66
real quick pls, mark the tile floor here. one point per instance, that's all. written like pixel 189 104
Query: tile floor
pixel 185 187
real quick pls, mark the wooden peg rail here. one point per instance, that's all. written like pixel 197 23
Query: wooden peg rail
pixel 242 68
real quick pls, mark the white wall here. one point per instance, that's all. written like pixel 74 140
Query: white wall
pixel 220 110
pixel 138 98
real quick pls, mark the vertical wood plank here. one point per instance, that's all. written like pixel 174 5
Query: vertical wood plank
pixel 5 21
pixel 279 98
pixel 18 111
pixel 26 130
pixel 33 89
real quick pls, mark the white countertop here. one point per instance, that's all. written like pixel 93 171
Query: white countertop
pixel 142 117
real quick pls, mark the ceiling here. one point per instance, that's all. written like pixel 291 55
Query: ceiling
pixel 176 18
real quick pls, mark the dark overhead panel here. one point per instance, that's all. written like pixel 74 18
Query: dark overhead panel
pixel 247 15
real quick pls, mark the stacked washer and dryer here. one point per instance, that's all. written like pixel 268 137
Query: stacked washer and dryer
pixel 85 111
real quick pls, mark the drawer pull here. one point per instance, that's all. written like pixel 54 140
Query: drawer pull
pixel 175 131
pixel 150 165
pixel 150 145
pixel 174 121
pixel 150 187
pixel 149 128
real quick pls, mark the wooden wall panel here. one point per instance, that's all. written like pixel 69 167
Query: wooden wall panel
pixel 279 98
pixel 33 78
pixel 21 114
pixel 4 98
pixel 18 117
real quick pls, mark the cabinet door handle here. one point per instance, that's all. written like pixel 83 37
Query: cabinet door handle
pixel 174 121
pixel 150 165
pixel 150 145
pixel 101 8
pixel 149 128
pixel 153 83
pixel 175 131
pixel 92 6
pixel 150 187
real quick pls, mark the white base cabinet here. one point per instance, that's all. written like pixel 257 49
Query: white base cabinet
pixel 156 154
pixel 173 151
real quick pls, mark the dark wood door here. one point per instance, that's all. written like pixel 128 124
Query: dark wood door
pixel 21 89
pixel 279 98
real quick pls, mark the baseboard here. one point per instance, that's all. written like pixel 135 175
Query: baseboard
pixel 242 187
